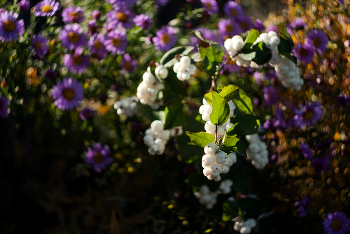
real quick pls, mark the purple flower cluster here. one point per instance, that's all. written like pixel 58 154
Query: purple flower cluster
pixel 73 15
pixel 4 110
pixel 304 52
pixel 98 47
pixel 121 15
pixel 287 115
pixel 318 39
pixel 72 37
pixel 336 223
pixel 207 35
pixel 86 114
pixel 116 41
pixel 143 21
pixel 10 28
pixel 303 206
pixel 98 156
pixel 297 25
pixel 67 94
pixel 127 63
pixel 76 62
pixel 210 6
pixel 308 114
pixel 165 38
pixel 270 95
pixel 39 44
pixel 46 8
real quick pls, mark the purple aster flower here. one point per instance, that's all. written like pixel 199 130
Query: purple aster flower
pixel 128 63
pixel 24 5
pixel 4 110
pixel 233 10
pixel 97 46
pixel 318 39
pixel 39 45
pixel 207 35
pixel 259 25
pixel 162 2
pixel 98 156
pixel 306 151
pixel 72 36
pixel 273 125
pixel 245 23
pixel 96 15
pixel 210 6
pixel 259 77
pixel 116 41
pixel 320 165
pixel 142 21
pixel 86 114
pixel 46 8
pixel 73 15
pixel 287 115
pixel 304 52
pixel 298 25
pixel 272 28
pixel 228 28
pixel 121 15
pixel 336 223
pixel 303 206
pixel 50 74
pixel 76 63
pixel 92 28
pixel 341 1
pixel 122 2
pixel 10 28
pixel 343 100
pixel 309 114
pixel 165 39
pixel 270 95
pixel 67 94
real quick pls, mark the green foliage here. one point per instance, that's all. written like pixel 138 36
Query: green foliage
pixel 251 38
pixel 234 144
pixel 229 92
pixel 243 103
pixel 245 124
pixel 221 110
pixel 286 46
pixel 263 54
pixel 229 210
pixel 172 118
pixel 211 58
pixel 201 138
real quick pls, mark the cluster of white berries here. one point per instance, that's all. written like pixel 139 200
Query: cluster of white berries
pixel 257 151
pixel 127 107
pixel 214 163
pixel 245 227
pixel 206 109
pixel 156 137
pixel 161 71
pixel 233 46
pixel 287 72
pixel 148 89
pixel 208 198
pixel 184 69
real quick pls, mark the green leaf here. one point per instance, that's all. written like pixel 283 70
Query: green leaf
pixel 173 112
pixel 243 102
pixel 249 56
pixel 229 92
pixel 250 204
pixel 230 144
pixel 221 110
pixel 176 85
pixel 251 38
pixel 212 43
pixel 229 210
pixel 209 98
pixel 263 54
pixel 241 148
pixel 220 87
pixel 170 55
pixel 247 125
pixel 285 48
pixel 201 138
pixel 211 57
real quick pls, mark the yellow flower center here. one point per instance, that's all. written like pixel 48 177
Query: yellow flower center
pixel 336 225
pixel 98 45
pixel 233 12
pixel 37 45
pixel 116 42
pixel 46 8
pixel 74 14
pixel 127 65
pixel 73 37
pixel 98 157
pixel 9 26
pixel 244 25
pixel 316 42
pixel 122 17
pixel 165 38
pixel 68 94
pixel 77 60
pixel 303 52
pixel 308 114
pixel 229 28
pixel 209 5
